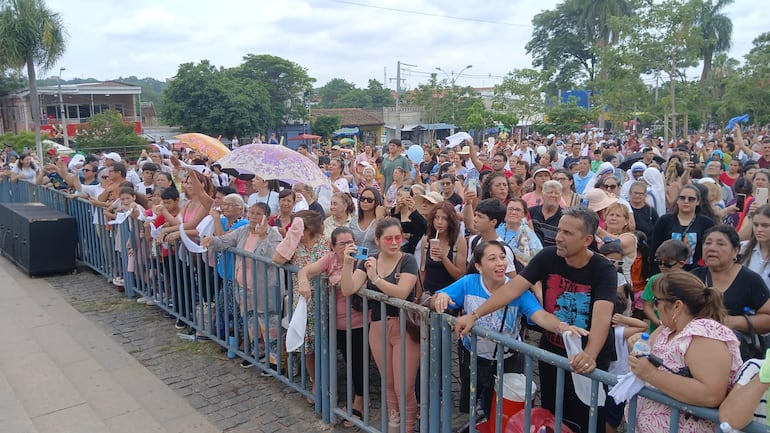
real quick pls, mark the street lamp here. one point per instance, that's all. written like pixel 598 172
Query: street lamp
pixel 63 111
pixel 452 77
pixel 452 80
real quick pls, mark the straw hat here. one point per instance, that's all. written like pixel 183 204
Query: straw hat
pixel 433 197
pixel 598 199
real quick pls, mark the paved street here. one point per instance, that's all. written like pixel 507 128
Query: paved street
pixel 79 357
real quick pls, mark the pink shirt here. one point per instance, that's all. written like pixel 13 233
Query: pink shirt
pixel 333 269
pixel 249 245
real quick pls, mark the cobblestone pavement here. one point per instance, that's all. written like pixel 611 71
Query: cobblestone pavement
pixel 234 399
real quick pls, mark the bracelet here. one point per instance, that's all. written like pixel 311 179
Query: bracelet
pixel 374 283
pixel 475 315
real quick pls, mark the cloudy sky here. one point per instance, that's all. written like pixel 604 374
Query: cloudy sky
pixel 355 40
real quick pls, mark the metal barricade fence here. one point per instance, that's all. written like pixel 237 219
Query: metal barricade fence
pixel 243 301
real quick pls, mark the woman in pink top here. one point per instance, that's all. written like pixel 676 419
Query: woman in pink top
pixel 331 265
pixel 692 339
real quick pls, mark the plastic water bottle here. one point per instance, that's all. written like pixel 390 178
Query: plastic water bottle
pixel 642 346
pixel 232 343
pixel 725 427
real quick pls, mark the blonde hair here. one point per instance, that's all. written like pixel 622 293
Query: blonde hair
pixel 622 210
pixel 715 192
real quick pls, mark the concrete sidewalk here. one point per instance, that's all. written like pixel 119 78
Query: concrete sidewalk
pixel 60 373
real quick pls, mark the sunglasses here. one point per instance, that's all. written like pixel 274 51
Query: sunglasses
pixel 611 186
pixel 366 199
pixel 656 300
pixel 393 239
pixel 688 198
pixel 660 262
pixel 617 263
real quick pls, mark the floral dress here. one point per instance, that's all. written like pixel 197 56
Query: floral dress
pixel 655 417
pixel 303 257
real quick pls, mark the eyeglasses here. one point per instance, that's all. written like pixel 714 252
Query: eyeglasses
pixel 393 239
pixel 656 300
pixel 660 262
pixel 104 177
pixel 617 263
pixel 366 199
pixel 688 198
pixel 561 179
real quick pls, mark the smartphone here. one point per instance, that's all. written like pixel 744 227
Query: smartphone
pixel 740 202
pixel 473 184
pixel 362 253
pixel 761 196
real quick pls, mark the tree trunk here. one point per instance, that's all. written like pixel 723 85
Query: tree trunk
pixel 35 107
pixel 707 58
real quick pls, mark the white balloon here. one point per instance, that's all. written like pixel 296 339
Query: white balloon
pixel 541 150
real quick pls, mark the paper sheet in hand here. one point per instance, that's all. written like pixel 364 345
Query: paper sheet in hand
pixel 188 243
pixel 206 226
pixel 119 218
pixel 295 335
pixel 202 169
pixel 163 151
pixel 457 138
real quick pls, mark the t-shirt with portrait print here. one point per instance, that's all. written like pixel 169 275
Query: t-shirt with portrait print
pixel 570 293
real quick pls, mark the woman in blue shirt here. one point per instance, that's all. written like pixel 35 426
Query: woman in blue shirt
pixel 486 274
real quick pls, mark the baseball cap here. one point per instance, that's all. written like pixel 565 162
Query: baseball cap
pixel 113 156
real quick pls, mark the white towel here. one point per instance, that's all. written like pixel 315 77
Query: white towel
pixel 628 386
pixel 295 335
pixel 574 345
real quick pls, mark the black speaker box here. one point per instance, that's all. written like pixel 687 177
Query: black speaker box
pixel 40 240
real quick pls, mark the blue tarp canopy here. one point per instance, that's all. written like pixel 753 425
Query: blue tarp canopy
pixel 434 126
pixel 346 131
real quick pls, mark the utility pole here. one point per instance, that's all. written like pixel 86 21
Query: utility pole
pixel 63 111
pixel 398 96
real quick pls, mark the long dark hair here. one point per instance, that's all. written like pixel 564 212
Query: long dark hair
pixel 763 210
pixel 377 201
pixel 453 222
pixel 704 206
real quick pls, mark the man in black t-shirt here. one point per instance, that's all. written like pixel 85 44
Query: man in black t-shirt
pixel 579 287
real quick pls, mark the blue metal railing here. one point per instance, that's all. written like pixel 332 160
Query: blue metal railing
pixel 250 322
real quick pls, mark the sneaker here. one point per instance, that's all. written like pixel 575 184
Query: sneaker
pixel 118 281
pixel 142 300
pixel 150 302
pixel 179 324
pixel 246 364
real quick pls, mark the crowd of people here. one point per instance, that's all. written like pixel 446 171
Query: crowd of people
pixel 591 232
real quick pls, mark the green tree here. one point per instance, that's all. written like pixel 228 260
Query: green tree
pixel 560 45
pixel 333 91
pixel 429 96
pixel 326 125
pixel 749 89
pixel 202 98
pixel 562 118
pixel 520 94
pixel 107 131
pixel 31 35
pixel 19 141
pixel 378 95
pixel 716 30
pixel 287 84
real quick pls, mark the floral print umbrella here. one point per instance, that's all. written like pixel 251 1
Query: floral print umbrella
pixel 270 161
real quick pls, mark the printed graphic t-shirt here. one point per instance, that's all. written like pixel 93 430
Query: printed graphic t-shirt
pixel 570 293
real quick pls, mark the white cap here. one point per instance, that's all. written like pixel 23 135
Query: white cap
pixel 113 156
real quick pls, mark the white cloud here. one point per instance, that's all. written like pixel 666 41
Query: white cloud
pixel 330 38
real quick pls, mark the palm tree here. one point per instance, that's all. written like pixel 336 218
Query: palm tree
pixel 30 35
pixel 595 19
pixel 716 30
